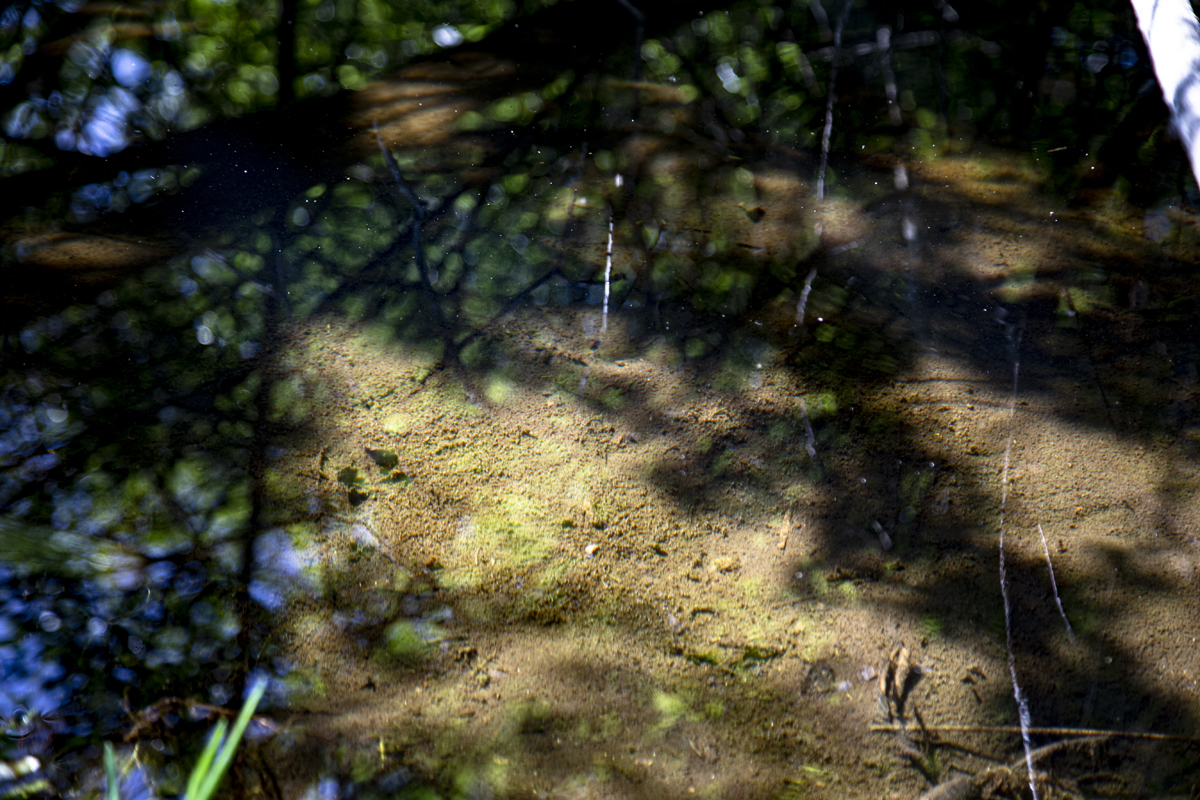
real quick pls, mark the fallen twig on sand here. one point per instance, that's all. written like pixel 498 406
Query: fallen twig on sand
pixel 1054 586
pixel 968 787
pixel 1034 731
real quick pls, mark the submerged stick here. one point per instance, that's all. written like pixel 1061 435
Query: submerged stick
pixel 607 277
pixel 1013 332
pixel 963 787
pixel 419 214
pixel 1054 586
pixel 1036 731
pixel 401 185
pixel 837 49
pixel 803 304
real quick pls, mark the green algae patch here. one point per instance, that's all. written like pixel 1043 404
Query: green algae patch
pixel 405 643
pixel 486 779
pixel 513 545
pixel 288 403
pixel 284 489
pixel 306 680
pixel 532 715
pixel 510 535
pixel 670 707
pixel 498 389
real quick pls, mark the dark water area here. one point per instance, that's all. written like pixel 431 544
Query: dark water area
pixel 596 400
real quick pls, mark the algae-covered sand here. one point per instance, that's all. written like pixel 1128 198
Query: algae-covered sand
pixel 620 566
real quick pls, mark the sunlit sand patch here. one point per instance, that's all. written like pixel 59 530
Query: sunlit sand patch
pixel 78 251
pixel 420 123
pixel 421 105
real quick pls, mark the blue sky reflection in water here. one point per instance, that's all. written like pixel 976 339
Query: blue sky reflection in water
pixel 141 536
pixel 530 422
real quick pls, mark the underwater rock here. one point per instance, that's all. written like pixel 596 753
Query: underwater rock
pixel 384 459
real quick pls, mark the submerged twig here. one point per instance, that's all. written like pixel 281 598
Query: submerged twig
pixel 507 308
pixel 607 277
pixel 883 41
pixel 825 136
pixel 962 787
pixel 419 213
pixel 1054 586
pixel 402 186
pixel 1036 731
pixel 803 304
pixel 1014 333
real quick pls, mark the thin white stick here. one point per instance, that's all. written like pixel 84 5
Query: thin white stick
pixel 1054 586
pixel 607 277
pixel 1018 695
pixel 828 132
pixel 812 275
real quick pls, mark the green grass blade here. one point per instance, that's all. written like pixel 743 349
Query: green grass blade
pixel 212 779
pixel 110 770
pixel 206 758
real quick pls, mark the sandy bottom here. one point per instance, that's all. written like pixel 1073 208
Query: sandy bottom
pixel 593 566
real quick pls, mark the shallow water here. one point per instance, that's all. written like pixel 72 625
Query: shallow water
pixel 625 466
